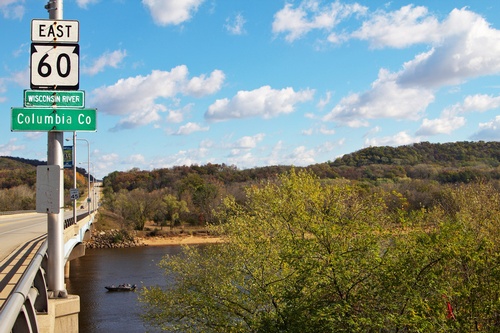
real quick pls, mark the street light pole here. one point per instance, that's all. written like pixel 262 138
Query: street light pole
pixel 74 175
pixel 93 186
pixel 88 173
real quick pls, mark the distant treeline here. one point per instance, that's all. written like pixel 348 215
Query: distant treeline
pixel 418 170
pixel 421 172
pixel 461 162
pixel 18 183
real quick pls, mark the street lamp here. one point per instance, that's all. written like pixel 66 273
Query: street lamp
pixel 88 171
pixel 74 174
pixel 93 187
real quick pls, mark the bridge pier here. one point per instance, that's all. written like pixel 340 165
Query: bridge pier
pixel 62 316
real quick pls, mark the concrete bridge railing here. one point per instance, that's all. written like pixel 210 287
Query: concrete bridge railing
pixel 28 308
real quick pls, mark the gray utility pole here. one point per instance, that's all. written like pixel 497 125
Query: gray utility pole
pixel 55 221
pixel 74 175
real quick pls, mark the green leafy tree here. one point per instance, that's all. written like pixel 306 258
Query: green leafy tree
pixel 169 210
pixel 304 257
pixel 298 257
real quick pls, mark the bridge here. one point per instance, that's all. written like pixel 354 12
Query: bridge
pixel 25 305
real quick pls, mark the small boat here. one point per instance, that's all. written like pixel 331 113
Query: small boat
pixel 121 287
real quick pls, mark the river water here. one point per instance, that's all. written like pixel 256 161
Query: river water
pixel 103 311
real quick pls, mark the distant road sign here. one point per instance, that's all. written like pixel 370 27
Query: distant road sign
pixel 68 156
pixel 74 194
pixel 54 98
pixel 55 66
pixel 55 31
pixel 52 119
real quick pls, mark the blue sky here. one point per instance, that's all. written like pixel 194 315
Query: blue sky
pixel 261 82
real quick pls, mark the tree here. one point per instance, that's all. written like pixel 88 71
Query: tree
pixel 298 258
pixel 304 257
pixel 168 210
pixel 136 206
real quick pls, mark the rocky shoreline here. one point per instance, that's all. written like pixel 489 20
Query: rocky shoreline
pixel 113 239
pixel 121 239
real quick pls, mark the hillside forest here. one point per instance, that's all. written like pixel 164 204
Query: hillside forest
pixel 18 183
pixel 189 194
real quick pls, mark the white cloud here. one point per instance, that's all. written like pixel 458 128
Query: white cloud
pixel 401 138
pixel 450 118
pixel 175 116
pixel 172 12
pixel 21 78
pixel 300 156
pixel 190 128
pixel 386 99
pixel 326 131
pixel 12 9
pixel 112 59
pixel 135 159
pixel 235 24
pixel 35 135
pixel 183 157
pixel 321 130
pixel 488 131
pixel 309 15
pixel 469 48
pixel 3 88
pixel 247 160
pixel 249 142
pixel 134 98
pixel 464 47
pixel 443 125
pixel 105 163
pixel 85 3
pixel 263 102
pixel 10 147
pixel 407 26
pixel 307 132
pixel 479 103
pixel 325 101
pixel 108 158
pixel 201 85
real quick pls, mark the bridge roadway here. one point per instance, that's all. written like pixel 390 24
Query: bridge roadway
pixel 17 229
pixel 23 245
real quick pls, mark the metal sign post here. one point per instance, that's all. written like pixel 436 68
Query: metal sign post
pixel 55 221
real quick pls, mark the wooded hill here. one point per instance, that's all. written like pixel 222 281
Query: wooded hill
pixel 446 163
pixel 18 182
pixel 418 171
pixel 434 164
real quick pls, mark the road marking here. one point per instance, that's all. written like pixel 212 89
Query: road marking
pixel 27 227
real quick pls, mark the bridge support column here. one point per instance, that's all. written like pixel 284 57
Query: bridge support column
pixel 62 316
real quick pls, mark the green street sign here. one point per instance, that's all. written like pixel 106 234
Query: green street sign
pixel 53 119
pixel 54 98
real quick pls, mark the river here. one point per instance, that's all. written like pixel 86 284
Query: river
pixel 103 311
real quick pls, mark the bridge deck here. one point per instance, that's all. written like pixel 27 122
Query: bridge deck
pixel 13 267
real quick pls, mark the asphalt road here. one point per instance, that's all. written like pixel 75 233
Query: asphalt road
pixel 17 229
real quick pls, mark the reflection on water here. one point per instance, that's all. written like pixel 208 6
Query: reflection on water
pixel 103 311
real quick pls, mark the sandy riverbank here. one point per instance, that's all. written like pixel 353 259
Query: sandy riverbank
pixel 179 240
